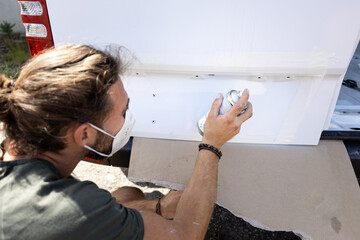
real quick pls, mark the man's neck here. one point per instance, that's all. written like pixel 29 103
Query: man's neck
pixel 64 163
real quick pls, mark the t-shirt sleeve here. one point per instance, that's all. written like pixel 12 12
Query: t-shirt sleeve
pixel 92 213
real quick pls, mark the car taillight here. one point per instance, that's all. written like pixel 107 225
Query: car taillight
pixel 35 17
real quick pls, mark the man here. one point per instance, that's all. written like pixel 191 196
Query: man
pixel 69 103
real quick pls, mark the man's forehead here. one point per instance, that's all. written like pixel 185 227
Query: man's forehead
pixel 118 94
pixel 117 88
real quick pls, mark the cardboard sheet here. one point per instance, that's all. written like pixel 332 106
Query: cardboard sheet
pixel 311 190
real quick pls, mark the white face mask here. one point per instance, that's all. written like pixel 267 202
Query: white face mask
pixel 120 139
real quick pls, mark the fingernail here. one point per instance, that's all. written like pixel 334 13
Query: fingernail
pixel 246 90
pixel 219 96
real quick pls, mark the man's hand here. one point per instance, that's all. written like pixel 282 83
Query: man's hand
pixel 219 129
pixel 169 203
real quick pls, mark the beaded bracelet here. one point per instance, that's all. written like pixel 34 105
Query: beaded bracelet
pixel 210 148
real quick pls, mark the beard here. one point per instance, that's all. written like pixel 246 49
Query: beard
pixel 102 144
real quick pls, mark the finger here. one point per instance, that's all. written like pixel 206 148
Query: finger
pixel 215 108
pixel 239 105
pixel 246 115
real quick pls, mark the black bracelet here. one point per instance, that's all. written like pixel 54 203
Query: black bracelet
pixel 210 148
pixel 158 207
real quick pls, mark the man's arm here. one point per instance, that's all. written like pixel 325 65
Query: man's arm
pixel 132 197
pixel 194 210
pixel 196 204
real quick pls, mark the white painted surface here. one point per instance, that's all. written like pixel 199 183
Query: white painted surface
pixel 280 104
pixel 312 42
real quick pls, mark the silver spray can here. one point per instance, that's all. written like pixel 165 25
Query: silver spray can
pixel 229 100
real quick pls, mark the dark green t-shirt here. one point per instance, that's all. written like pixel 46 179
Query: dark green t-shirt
pixel 37 203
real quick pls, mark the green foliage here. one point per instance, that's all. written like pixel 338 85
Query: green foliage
pixel 16 55
pixel 6 29
pixel 13 50
pixel 10 72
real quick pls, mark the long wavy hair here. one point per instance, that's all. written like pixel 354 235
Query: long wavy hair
pixel 55 90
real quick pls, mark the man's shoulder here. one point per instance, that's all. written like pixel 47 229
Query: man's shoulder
pixel 41 182
pixel 63 207
pixel 84 194
pixel 27 168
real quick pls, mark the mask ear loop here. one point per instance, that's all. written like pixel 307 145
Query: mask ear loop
pixel 91 149
pixel 100 130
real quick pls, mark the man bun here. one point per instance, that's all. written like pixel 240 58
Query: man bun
pixel 5 90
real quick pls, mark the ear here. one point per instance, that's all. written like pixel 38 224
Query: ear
pixel 84 134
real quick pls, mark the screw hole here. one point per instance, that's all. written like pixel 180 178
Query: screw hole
pixel 154 95
pixel 153 121
pixel 196 75
pixel 259 77
pixel 137 73
pixel 288 77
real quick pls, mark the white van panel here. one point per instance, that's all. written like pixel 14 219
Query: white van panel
pixel 299 49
